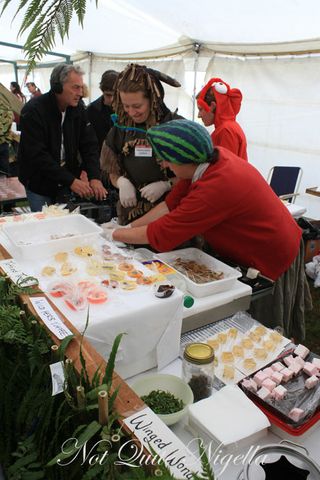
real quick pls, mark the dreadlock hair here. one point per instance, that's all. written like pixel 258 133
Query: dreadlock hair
pixel 138 78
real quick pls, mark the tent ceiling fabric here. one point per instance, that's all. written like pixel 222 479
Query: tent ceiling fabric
pixel 124 27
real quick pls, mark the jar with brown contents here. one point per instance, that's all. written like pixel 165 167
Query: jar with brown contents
pixel 198 369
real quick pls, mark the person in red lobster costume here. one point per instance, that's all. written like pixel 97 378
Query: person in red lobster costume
pixel 219 105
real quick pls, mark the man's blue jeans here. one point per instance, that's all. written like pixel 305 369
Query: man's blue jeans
pixel 37 201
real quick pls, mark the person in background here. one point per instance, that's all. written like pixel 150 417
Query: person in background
pixel 218 105
pixel 55 134
pixel 99 111
pixel 232 206
pixel 6 137
pixel 16 90
pixel 33 89
pixel 126 156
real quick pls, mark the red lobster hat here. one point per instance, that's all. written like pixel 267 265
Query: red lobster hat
pixel 228 100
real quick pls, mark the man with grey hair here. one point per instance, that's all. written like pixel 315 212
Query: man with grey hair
pixel 58 142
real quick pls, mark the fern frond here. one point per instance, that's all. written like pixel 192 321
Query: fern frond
pixel 79 7
pixel 111 360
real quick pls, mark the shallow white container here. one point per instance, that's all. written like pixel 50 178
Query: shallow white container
pixel 203 289
pixel 34 241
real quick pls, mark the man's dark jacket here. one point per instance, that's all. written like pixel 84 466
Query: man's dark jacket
pixel 100 117
pixel 40 146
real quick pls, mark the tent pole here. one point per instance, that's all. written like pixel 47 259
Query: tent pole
pixel 90 73
pixel 196 49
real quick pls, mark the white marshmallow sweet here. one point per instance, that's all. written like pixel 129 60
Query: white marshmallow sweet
pixel 311 382
pixel 277 377
pixel 264 393
pixel 277 367
pixel 316 362
pixel 310 369
pixel 249 384
pixel 269 384
pixel 268 371
pixel 259 377
pixel 296 414
pixel 288 360
pixel 302 351
pixel 286 375
pixel 279 392
pixel 295 368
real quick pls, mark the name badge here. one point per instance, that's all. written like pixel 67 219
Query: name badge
pixel 142 151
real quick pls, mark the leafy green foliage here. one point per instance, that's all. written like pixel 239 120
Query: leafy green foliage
pixel 43 20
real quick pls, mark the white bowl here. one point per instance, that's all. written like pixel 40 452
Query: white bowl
pixel 169 383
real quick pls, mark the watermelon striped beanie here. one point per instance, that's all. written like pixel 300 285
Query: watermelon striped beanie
pixel 181 141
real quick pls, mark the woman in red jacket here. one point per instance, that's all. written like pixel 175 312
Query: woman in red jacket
pixel 230 204
pixel 219 105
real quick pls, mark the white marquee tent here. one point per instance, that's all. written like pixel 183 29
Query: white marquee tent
pixel 270 50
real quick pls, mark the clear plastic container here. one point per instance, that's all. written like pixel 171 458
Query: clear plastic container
pixel 198 369
pixel 181 284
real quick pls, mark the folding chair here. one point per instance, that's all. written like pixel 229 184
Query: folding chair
pixel 285 181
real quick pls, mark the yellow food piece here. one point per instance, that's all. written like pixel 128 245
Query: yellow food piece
pixel 48 271
pixel 228 372
pixel 67 269
pixel 238 351
pixel 276 337
pixel 232 332
pixel 255 337
pixel 269 345
pixel 214 343
pixel 247 343
pixel 85 251
pixel 222 337
pixel 227 357
pixel 61 257
pixel 249 364
pixel 128 285
pixel 117 275
pixel 260 330
pixel 260 353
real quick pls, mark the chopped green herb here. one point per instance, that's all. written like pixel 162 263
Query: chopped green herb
pixel 162 402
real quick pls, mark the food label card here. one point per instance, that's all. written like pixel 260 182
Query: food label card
pixel 49 317
pixel 154 434
pixel 13 270
pixel 57 377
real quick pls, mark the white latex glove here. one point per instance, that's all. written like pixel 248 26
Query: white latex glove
pixel 113 225
pixel 127 192
pixel 155 190
pixel 108 234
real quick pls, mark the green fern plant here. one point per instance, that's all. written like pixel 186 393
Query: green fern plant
pixel 45 19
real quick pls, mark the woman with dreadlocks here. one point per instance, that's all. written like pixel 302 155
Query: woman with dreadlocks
pixel 127 157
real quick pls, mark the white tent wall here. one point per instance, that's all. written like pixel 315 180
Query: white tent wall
pixel 280 110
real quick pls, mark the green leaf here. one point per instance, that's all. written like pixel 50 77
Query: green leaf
pixel 92 429
pixel 64 345
pixel 111 361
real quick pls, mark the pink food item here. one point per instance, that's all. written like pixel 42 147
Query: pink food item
pixel 277 367
pixel 279 392
pixel 277 377
pixel 296 413
pixel 286 375
pixel 259 377
pixel 268 371
pixel 310 369
pixel 299 360
pixel 316 362
pixel 269 384
pixel 249 384
pixel 295 368
pixel 288 360
pixel 302 351
pixel 311 382
pixel 264 393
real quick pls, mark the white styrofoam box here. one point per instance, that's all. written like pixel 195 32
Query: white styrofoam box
pixel 230 274
pixel 35 241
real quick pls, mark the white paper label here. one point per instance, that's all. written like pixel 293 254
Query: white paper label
pixel 152 432
pixel 49 317
pixel 143 151
pixel 13 270
pixel 57 377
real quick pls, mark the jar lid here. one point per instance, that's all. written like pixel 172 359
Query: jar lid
pixel 188 301
pixel 199 353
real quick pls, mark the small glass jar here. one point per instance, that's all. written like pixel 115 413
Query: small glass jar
pixel 198 369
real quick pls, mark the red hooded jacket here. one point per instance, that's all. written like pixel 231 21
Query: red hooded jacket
pixel 228 132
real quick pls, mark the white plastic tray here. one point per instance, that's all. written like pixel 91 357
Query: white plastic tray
pixel 203 289
pixel 34 241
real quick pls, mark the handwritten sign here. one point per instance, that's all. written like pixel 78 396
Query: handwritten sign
pixel 13 270
pixel 49 317
pixel 57 377
pixel 152 432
